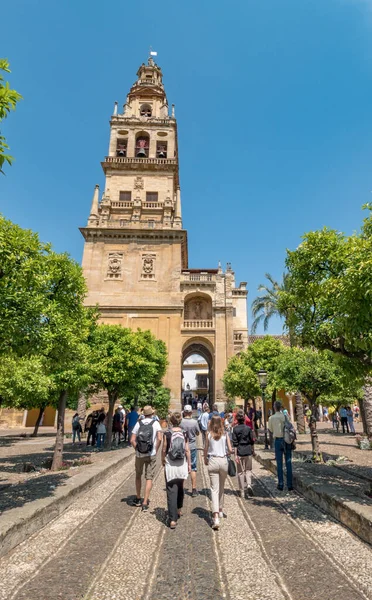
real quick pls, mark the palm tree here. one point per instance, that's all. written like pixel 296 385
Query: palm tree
pixel 266 306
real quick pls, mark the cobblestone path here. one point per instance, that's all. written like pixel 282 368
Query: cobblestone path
pixel 274 546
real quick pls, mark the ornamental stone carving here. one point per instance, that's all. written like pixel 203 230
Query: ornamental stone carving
pixel 138 183
pixel 114 266
pixel 148 266
pixel 198 308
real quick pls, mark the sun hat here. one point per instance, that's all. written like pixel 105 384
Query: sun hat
pixel 187 408
pixel 148 411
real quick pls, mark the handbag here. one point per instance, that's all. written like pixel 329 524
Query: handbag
pixel 231 466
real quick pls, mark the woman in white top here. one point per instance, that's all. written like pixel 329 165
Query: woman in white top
pixel 217 447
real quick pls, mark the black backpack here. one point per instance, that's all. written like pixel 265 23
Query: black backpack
pixel 177 450
pixel 145 442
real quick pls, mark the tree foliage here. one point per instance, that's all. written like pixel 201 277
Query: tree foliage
pixel 8 102
pixel 126 363
pixel 44 325
pixel 240 377
pixel 317 375
pixel 329 292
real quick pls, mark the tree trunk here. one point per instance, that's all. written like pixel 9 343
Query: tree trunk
pixel 366 408
pixel 58 449
pixel 300 417
pixel 82 406
pixel 112 396
pixel 38 420
pixel 317 455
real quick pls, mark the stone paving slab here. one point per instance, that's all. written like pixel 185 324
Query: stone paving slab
pixel 340 494
pixel 19 523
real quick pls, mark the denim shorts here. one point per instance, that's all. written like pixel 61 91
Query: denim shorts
pixel 194 459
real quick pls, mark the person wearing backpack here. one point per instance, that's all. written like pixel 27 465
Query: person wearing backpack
pixel 146 440
pixel 176 460
pixel 279 425
pixel 243 441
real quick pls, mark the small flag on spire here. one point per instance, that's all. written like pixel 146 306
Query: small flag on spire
pixel 153 53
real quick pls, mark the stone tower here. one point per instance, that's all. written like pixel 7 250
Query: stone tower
pixel 135 255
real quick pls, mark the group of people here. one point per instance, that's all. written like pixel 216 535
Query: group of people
pixel 222 442
pixel 345 417
pixel 95 426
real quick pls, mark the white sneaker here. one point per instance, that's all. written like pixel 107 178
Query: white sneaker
pixel 221 514
pixel 216 523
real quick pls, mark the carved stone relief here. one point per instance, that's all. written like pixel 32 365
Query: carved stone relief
pixel 114 266
pixel 138 183
pixel 198 308
pixel 148 266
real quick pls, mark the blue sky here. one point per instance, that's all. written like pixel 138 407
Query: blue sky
pixel 273 101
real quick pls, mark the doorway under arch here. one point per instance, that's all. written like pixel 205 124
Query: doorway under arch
pixel 204 388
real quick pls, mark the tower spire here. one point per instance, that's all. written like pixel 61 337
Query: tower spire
pixel 93 217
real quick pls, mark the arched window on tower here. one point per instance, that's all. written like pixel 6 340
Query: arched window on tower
pixel 161 149
pixel 142 146
pixel 145 110
pixel 121 147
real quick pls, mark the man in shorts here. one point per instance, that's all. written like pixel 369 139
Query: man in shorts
pixel 191 427
pixel 146 460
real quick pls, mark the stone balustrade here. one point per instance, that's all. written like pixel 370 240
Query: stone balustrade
pixel 198 324
pixel 120 160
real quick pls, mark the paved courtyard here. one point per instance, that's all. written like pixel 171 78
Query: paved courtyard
pixel 273 546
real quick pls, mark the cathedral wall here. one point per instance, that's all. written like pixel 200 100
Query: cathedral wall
pixel 133 273
pixel 240 319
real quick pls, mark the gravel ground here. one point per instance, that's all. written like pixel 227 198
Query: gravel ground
pixel 275 546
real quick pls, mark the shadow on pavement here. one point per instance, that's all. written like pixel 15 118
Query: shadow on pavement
pixel 14 496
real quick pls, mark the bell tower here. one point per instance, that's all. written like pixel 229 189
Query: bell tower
pixel 135 257
pixel 142 181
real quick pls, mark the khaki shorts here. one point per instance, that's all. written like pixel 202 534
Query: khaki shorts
pixel 149 462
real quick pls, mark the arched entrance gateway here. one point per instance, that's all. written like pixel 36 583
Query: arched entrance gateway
pixel 198 350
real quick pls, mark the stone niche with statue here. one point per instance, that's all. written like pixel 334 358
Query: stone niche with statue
pixel 198 308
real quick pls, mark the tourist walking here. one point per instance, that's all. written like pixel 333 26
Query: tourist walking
pixel 101 431
pixel 344 421
pixel 132 418
pixel 176 460
pixel 191 428
pixel 350 419
pixel 203 422
pixel 214 412
pixel 76 428
pixel 259 418
pixel 243 442
pixel 146 440
pixel 123 420
pixel 117 425
pixel 282 449
pixel 92 431
pixel 199 408
pixel 217 447
pixel 335 420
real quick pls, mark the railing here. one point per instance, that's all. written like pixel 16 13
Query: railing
pixel 122 204
pixel 134 160
pixel 153 204
pixel 195 324
pixel 198 277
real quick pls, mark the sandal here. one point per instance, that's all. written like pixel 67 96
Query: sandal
pixel 173 524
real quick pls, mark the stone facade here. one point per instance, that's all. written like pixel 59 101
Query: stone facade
pixel 136 256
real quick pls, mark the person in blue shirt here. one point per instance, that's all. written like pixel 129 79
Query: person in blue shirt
pixel 132 418
pixel 214 412
pixel 344 423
